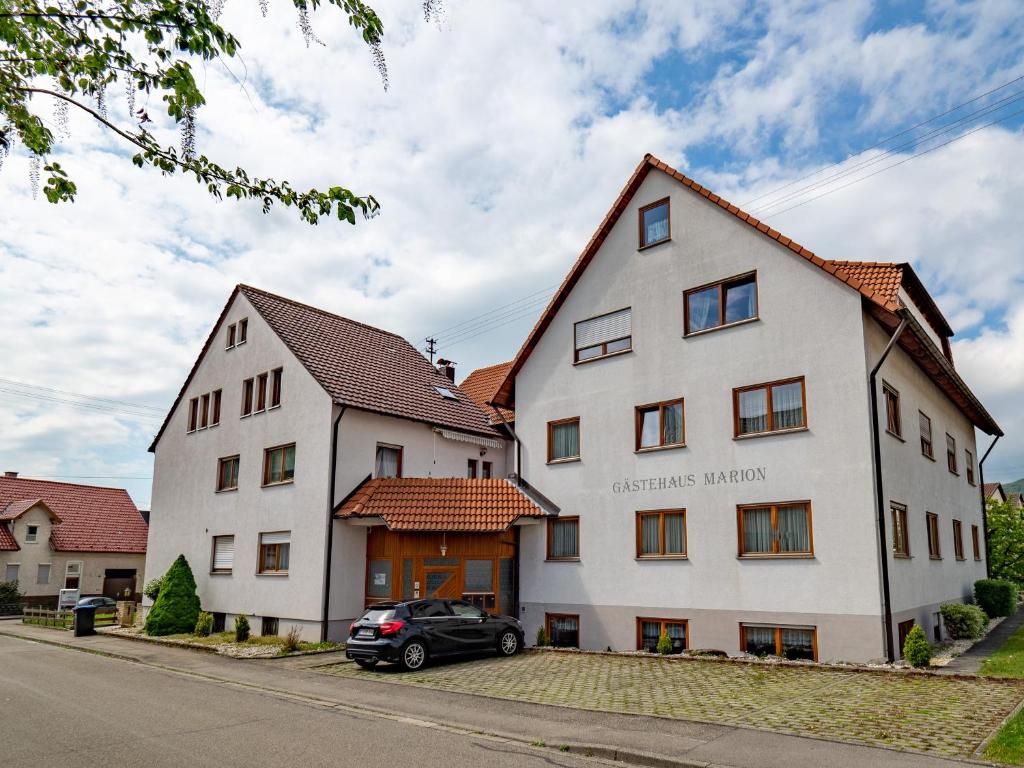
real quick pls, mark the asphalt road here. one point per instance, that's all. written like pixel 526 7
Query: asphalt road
pixel 61 707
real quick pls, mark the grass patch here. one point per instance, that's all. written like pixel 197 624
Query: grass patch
pixel 1008 745
pixel 1008 661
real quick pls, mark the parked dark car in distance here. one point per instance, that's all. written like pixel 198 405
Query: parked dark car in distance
pixel 98 602
pixel 409 633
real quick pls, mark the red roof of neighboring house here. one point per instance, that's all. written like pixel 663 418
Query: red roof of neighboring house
pixel 16 509
pixel 93 519
pixel 482 385
pixel 440 504
pixel 991 488
pixel 7 542
pixel 357 365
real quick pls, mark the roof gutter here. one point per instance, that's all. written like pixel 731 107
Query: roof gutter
pixel 984 505
pixel 883 545
pixel 324 620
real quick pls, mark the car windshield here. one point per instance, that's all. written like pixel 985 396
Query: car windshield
pixel 379 615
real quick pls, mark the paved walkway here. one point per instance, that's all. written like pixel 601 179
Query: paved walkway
pixel 969 663
pixel 633 739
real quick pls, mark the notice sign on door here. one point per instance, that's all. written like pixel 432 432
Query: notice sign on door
pixel 380 579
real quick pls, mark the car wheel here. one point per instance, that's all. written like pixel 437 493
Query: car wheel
pixel 508 643
pixel 414 655
pixel 367 663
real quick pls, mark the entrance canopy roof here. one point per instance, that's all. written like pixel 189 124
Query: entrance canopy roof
pixel 440 504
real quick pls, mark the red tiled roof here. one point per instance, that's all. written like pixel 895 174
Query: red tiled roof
pixel 7 542
pixel 990 489
pixel 357 365
pixel 93 519
pixel 482 384
pixel 16 509
pixel 440 504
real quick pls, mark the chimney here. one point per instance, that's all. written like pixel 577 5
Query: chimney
pixel 446 368
pixel 15 474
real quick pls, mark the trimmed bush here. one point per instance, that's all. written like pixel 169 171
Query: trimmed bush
pixel 996 596
pixel 664 646
pixel 152 588
pixel 241 628
pixel 916 649
pixel 204 624
pixel 9 592
pixel 542 637
pixel 963 622
pixel 176 609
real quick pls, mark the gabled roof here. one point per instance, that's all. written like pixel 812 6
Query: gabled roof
pixel 876 283
pixel 16 509
pixel 440 504
pixel 992 488
pixel 482 385
pixel 7 541
pixel 357 365
pixel 93 519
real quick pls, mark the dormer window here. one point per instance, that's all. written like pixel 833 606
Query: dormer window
pixel 654 224
pixel 31 534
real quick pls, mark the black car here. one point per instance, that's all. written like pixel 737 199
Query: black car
pixel 99 603
pixel 409 633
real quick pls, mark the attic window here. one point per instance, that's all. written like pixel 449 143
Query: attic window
pixel 446 393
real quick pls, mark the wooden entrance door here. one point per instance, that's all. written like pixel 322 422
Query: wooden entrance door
pixel 441 581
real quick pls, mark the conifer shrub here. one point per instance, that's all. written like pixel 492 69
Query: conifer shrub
pixel 916 649
pixel 204 624
pixel 241 628
pixel 997 597
pixel 963 622
pixel 542 637
pixel 152 588
pixel 176 609
pixel 664 646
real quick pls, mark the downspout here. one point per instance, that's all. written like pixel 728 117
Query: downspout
pixel 330 526
pixel 515 438
pixel 516 610
pixel 984 505
pixel 883 543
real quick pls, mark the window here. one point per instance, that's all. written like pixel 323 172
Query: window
pixel 446 393
pixel 564 440
pixel 486 471
pixel 247 388
pixel 654 223
pixel 31 534
pixel 900 532
pixel 926 435
pixel 787 642
pixel 563 629
pixel 604 335
pixel 893 421
pixel 231 337
pixel 11 572
pixel 388 462
pixel 661 533
pixel 193 414
pixel 43 573
pixel 204 412
pixel 903 629
pixel 378 580
pixel 564 538
pixel 772 407
pixel 478 577
pixel 215 416
pixel 775 529
pixel 471 469
pixel 268 626
pixel 934 551
pixel 279 464
pixel 227 473
pixel 951 453
pixel 660 425
pixel 275 387
pixel 72 575
pixel 243 331
pixel 223 554
pixel 649 631
pixel 969 466
pixel 713 306
pixel 274 552
pixel 975 542
pixel 958 539
pixel 261 392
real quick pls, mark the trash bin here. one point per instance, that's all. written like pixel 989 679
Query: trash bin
pixel 85 620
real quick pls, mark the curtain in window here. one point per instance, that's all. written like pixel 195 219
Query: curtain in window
pixel 788 405
pixel 673 423
pixel 649 428
pixel 798 643
pixel 564 539
pixel 650 631
pixel 677 634
pixel 794 532
pixel 892 412
pixel 757 530
pixel 703 307
pixel 740 302
pixel 565 631
pixel 675 535
pixel 760 640
pixel 650 535
pixel 387 462
pixel 656 224
pixel 289 462
pixel 565 440
pixel 753 411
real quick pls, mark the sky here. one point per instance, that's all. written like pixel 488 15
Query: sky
pixel 507 132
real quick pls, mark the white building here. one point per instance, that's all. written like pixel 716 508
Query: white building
pixel 695 400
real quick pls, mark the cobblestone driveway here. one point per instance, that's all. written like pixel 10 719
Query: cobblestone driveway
pixel 931 714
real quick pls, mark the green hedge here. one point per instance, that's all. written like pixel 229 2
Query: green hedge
pixel 963 622
pixel 996 597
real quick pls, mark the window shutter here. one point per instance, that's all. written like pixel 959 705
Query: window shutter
pixel 279 537
pixel 598 330
pixel 223 553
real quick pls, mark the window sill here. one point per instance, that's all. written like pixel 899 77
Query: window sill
pixel 245 415
pixel 220 573
pixel 702 331
pixel 652 245
pixel 902 557
pixel 977 559
pixel 777 556
pixel 961 559
pixel 226 490
pixel 930 458
pixel 274 407
pixel 656 448
pixel 561 559
pixel 750 435
pixel 603 357
pixel 274 485
pixel 954 474
pixel 570 460
pixel 973 485
pixel 272 573
pixel 645 558
pixel 934 557
pixel 893 434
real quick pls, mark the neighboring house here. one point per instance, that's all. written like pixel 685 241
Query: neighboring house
pixel 1016 499
pixel 63 535
pixel 695 400
pixel 995 492
pixel 291 430
pixel 482 385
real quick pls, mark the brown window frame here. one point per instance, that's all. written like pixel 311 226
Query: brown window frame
pixel 934 540
pixel 892 417
pixel 901 532
pixel 243 331
pixel 775 553
pixel 576 360
pixel 927 447
pixel 231 337
pixel 204 411
pixel 215 412
pixel 213 554
pixel 277 557
pixel 220 473
pixel 398 465
pixel 778 636
pixel 660 407
pixel 266 465
pixel 193 415
pixel 958 540
pixel 722 286
pixel 951 463
pixel 976 542
pixel 662 554
pixel 552 521
pixel 472 469
pixel 969 466
pixel 579 440
pixel 276 383
pixel 767 386
pixel 248 388
pixel 641 244
pixel 902 630
pixel 547 624
pixel 685 623
pixel 261 392
pixel 486 470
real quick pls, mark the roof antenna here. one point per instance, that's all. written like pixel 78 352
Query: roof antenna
pixel 431 348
